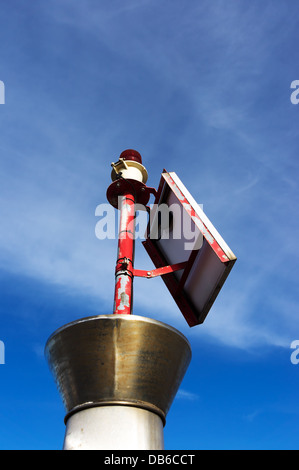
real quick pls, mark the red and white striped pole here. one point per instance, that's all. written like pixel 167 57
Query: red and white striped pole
pixel 129 177
pixel 125 256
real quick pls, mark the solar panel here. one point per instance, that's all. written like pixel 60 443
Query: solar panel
pixel 180 233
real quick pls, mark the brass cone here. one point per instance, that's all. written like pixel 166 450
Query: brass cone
pixel 118 359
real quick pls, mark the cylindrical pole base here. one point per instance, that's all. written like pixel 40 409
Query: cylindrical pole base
pixel 114 428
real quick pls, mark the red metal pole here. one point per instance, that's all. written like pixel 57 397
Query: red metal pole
pixel 125 256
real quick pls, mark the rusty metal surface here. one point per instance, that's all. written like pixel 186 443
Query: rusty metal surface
pixel 125 254
pixel 118 359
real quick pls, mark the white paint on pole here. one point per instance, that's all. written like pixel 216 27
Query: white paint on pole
pixel 114 428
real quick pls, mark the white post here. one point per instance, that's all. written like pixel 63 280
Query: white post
pixel 114 428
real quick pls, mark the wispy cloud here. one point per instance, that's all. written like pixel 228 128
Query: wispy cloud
pixel 250 417
pixel 186 395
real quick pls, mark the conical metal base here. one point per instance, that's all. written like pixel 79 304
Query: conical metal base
pixel 118 360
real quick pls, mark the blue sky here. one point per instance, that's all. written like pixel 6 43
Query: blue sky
pixel 201 88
